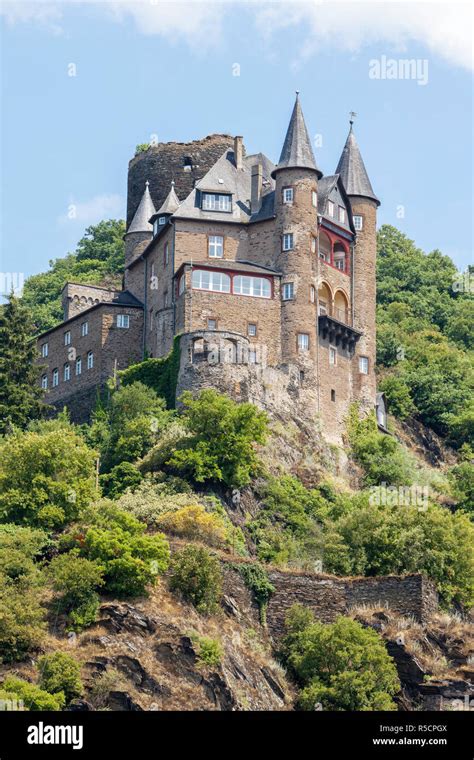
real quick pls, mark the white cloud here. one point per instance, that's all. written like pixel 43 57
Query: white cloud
pixel 93 210
pixel 444 28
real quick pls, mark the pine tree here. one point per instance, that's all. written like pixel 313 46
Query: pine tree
pixel 20 393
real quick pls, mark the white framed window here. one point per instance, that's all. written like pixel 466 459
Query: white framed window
pixel 44 381
pixel 66 372
pixel 340 260
pixel 252 286
pixel 123 321
pixel 251 329
pixel 303 341
pixel 288 195
pixel 364 365
pixel 314 198
pixel 215 246
pixel 90 360
pixel 44 350
pixel 155 227
pixel 332 356
pixel 203 279
pixel 288 291
pixel 312 293
pixel 55 377
pixel 84 329
pixel 162 220
pixel 342 214
pixel 182 284
pixel 358 222
pixel 330 208
pixel 216 202
pixel 67 338
pixel 288 241
pixel 78 365
pixel 211 324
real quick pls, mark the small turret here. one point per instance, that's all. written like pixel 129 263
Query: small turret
pixel 140 231
pixel 168 207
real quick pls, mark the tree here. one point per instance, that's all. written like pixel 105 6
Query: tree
pixel 196 574
pixel 32 696
pixel 76 580
pixel 339 666
pixel 20 392
pixel 22 620
pixel 47 475
pixel 59 673
pixel 221 444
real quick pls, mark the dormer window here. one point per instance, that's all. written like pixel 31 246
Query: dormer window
pixel 156 227
pixel 162 220
pixel 342 215
pixel 216 202
pixel 330 208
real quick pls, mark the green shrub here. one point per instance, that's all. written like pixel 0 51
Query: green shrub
pixel 194 523
pixel 400 402
pixel 22 621
pixel 19 546
pixel 122 477
pixel 256 579
pixel 209 651
pixel 196 575
pixel 76 579
pixel 60 673
pixel 47 476
pixel 340 666
pixel 221 444
pixel 33 697
pixel 159 374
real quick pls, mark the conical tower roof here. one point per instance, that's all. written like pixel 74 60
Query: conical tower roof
pixel 145 210
pixel 297 151
pixel 170 203
pixel 352 170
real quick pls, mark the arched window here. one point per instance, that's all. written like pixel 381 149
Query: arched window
pixel 90 360
pixel 324 297
pixel 66 372
pixel 312 293
pixel 341 307
pixel 44 381
pixel 55 377
pixel 340 257
pixel 324 247
pixel 204 279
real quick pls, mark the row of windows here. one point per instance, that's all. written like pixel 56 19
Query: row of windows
pixel 220 282
pixel 123 321
pixel 67 371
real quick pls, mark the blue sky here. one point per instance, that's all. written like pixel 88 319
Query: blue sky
pixel 146 68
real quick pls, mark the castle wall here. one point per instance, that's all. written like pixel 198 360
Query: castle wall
pixel 192 241
pixel 77 298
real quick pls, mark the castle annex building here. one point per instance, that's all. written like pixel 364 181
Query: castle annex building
pixel 267 274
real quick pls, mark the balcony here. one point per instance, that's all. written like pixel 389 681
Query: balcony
pixel 335 327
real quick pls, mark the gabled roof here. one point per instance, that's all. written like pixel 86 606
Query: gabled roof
pixel 121 298
pixel 325 187
pixel 297 151
pixel 171 202
pixel 225 178
pixel 143 214
pixel 352 170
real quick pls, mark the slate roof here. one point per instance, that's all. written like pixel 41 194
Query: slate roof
pixel 352 170
pixel 143 214
pixel 224 177
pixel 297 151
pixel 171 202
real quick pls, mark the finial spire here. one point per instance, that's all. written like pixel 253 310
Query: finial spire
pixel 143 213
pixel 297 151
pixel 147 184
pixel 352 115
pixel 352 170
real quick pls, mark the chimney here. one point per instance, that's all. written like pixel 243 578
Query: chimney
pixel 256 189
pixel 238 151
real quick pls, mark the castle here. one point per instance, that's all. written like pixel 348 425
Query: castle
pixel 266 273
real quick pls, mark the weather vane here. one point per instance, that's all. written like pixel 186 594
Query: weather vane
pixel 352 115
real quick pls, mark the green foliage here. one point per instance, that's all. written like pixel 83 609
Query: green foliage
pixel 195 524
pixel 196 575
pixel 141 148
pixel 22 621
pixel 256 579
pixel 221 444
pixel 381 539
pixel 19 546
pixel 209 651
pixel 130 424
pixel 76 580
pixel 424 329
pixel 380 455
pixel 33 697
pixel 47 476
pixel 59 673
pixel 122 477
pixel 159 374
pixel 20 392
pixel 130 558
pixel 98 260
pixel 462 480
pixel 340 666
